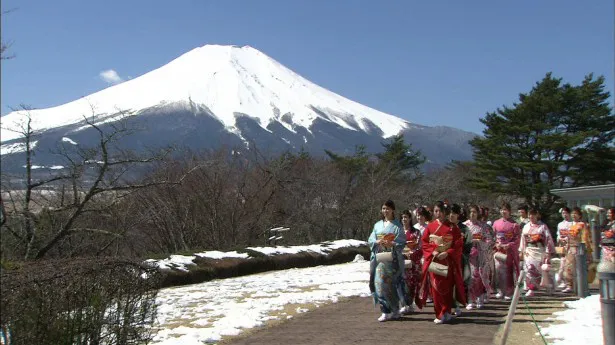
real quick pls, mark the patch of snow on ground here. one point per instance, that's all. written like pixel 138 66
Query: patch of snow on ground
pixel 214 254
pixel 207 312
pixel 69 140
pixel 582 323
pixel 16 148
pixel 181 261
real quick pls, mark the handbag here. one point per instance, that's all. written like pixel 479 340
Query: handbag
pixel 546 280
pixel 591 272
pixel 437 268
pixel 408 263
pixel 434 267
pixel 384 257
pixel 500 256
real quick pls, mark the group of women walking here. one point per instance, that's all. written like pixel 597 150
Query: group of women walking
pixel 453 257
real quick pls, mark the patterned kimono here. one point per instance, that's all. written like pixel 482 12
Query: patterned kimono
pixel 480 269
pixel 507 231
pixel 443 288
pixel 537 248
pixel 387 276
pixel 578 233
pixel 414 253
pixel 608 252
pixel 420 227
pixel 562 240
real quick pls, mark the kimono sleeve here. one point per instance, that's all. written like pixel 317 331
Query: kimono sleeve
pixel 467 239
pixel 586 238
pixel 517 231
pixel 547 241
pixel 456 249
pixel 427 246
pixel 372 239
pixel 522 242
pixel 400 237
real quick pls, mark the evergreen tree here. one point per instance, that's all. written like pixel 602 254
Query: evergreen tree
pixel 558 135
pixel 351 165
pixel 400 158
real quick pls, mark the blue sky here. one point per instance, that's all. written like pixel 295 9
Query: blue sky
pixel 430 62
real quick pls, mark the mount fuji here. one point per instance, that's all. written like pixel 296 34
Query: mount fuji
pixel 226 95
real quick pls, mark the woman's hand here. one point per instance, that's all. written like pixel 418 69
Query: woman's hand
pixel 387 244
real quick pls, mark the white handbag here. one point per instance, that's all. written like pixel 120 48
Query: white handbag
pixel 500 256
pixel 408 263
pixel 437 268
pixel 384 257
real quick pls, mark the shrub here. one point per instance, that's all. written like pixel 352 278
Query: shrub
pixel 78 301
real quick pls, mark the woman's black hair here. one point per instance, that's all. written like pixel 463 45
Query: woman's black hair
pixel 505 206
pixel 390 204
pixel 444 209
pixel 578 210
pixel 407 213
pixel 565 208
pixel 423 211
pixel 456 209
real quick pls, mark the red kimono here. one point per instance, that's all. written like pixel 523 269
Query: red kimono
pixel 442 288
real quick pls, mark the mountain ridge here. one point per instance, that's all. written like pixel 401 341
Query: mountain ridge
pixel 239 95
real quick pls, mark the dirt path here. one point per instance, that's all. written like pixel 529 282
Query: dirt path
pixel 354 322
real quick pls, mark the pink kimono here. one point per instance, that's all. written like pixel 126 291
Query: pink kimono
pixel 480 268
pixel 537 248
pixel 507 233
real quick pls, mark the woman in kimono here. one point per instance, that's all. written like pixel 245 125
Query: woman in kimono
pixel 388 239
pixel 442 243
pixel 484 218
pixel 608 235
pixel 578 233
pixel 422 219
pixel 458 216
pixel 412 255
pixel 423 216
pixel 507 238
pixel 537 248
pixel 480 270
pixel 562 241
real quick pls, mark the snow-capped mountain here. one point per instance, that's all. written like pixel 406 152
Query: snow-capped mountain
pixel 231 95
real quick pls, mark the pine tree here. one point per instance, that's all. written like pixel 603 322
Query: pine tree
pixel 558 135
pixel 399 157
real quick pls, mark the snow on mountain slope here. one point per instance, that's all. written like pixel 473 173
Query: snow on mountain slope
pixel 227 80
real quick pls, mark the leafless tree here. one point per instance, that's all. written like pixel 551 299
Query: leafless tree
pixel 96 179
pixel 4 45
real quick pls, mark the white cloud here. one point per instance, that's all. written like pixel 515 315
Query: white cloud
pixel 110 76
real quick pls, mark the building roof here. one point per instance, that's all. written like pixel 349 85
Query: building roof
pixel 593 192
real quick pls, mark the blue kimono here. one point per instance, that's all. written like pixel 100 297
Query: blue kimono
pixel 386 278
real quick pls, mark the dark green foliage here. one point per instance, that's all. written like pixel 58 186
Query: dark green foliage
pixel 558 135
pixel 400 158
